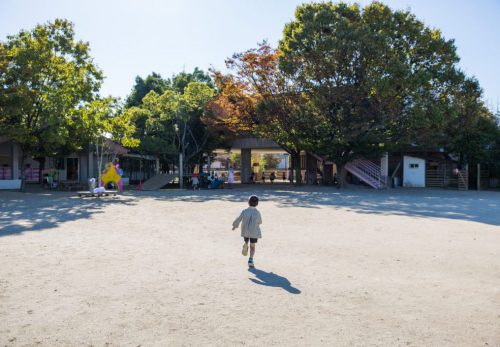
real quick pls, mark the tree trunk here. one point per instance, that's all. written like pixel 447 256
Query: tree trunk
pixel 41 168
pixel 341 175
pixel 22 172
pixel 296 168
pixel 100 158
pixel 181 171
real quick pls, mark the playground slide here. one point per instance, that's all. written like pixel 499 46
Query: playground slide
pixel 158 181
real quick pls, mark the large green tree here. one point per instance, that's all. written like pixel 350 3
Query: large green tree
pixel 45 73
pixel 472 130
pixel 377 78
pixel 155 132
pixel 169 124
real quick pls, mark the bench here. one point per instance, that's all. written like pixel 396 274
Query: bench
pixel 89 194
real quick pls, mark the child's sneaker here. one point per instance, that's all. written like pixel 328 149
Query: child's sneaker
pixel 250 262
pixel 244 251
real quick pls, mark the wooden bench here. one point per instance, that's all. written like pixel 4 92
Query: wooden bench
pixel 88 194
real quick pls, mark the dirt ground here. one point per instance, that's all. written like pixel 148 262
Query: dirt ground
pixel 334 268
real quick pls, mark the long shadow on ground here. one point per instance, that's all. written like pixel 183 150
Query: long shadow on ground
pixel 482 207
pixel 270 279
pixel 28 212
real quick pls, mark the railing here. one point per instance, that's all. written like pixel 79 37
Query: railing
pixel 372 170
pixel 369 167
pixel 367 172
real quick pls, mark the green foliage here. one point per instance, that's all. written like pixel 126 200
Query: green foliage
pixel 472 130
pixel 45 74
pixel 154 82
pixel 142 87
pixel 376 78
pixel 102 120
pixel 102 124
pixel 235 159
pixel 271 161
pixel 180 81
pixel 169 123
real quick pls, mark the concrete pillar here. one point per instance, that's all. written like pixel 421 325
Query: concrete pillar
pixel 157 167
pixel 246 164
pixel 15 161
pixel 384 166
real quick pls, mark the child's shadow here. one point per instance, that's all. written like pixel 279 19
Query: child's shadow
pixel 272 280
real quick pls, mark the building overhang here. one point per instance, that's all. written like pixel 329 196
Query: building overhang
pixel 255 144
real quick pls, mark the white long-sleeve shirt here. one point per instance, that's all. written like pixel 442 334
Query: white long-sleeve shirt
pixel 250 220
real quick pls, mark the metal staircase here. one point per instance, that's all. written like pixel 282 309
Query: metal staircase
pixel 368 172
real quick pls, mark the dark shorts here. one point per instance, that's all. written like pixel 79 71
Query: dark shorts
pixel 251 239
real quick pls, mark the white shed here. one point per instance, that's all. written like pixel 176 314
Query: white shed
pixel 413 172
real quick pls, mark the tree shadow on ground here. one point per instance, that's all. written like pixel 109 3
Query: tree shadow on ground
pixel 473 206
pixel 27 212
pixel 270 279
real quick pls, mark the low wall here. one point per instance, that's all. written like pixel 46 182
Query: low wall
pixel 10 184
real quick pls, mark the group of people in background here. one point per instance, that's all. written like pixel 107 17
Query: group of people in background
pixel 214 181
pixel 263 177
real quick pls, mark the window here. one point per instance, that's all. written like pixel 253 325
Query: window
pixel 413 166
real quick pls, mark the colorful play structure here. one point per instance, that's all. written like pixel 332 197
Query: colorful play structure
pixel 112 174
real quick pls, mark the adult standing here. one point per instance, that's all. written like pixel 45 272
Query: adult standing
pixel 230 177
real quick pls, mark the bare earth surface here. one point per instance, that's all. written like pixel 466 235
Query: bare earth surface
pixel 349 268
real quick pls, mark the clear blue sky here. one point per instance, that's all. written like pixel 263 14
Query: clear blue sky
pixel 130 38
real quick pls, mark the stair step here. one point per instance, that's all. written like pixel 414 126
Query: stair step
pixel 367 172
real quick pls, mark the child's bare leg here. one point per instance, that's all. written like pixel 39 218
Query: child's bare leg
pixel 252 250
pixel 244 250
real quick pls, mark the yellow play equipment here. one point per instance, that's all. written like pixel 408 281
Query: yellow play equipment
pixel 112 175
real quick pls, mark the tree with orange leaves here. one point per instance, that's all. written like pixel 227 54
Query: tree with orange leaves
pixel 256 98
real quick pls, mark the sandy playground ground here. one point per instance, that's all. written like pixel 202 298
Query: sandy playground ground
pixel 335 268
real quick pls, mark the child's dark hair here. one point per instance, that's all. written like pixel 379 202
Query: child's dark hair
pixel 253 201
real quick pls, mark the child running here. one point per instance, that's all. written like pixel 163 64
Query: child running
pixel 250 230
